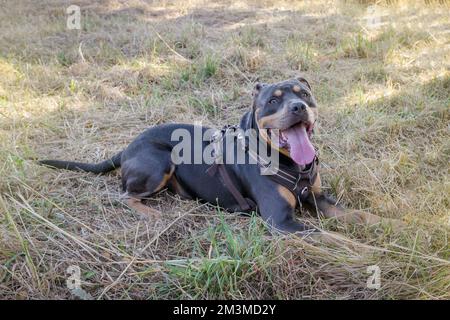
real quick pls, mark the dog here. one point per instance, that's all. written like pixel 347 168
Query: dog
pixel 283 115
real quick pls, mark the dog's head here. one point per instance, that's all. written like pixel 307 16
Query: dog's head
pixel 285 113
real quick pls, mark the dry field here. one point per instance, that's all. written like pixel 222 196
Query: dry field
pixel 381 75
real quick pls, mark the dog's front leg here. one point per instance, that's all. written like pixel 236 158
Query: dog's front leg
pixel 278 211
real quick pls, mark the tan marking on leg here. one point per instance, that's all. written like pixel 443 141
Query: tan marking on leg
pixel 287 195
pixel 141 208
pixel 165 179
pixel 175 187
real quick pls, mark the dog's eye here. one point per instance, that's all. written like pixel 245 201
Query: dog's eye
pixel 304 95
pixel 273 100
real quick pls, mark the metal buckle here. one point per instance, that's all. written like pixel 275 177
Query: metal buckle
pixel 305 189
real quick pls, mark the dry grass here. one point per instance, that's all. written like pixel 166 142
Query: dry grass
pixel 383 137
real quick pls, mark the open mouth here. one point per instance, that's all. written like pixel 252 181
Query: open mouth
pixel 296 140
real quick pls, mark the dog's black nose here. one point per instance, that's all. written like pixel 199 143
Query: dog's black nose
pixel 298 106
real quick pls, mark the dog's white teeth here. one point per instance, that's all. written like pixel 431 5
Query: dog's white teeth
pixel 283 140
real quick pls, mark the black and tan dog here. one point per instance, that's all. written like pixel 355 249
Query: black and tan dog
pixel 284 114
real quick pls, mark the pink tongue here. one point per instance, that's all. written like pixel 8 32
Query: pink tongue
pixel 301 149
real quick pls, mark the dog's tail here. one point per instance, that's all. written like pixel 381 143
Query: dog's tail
pixel 102 167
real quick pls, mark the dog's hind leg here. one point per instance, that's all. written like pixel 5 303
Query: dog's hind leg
pixel 141 179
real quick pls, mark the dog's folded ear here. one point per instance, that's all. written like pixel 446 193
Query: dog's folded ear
pixel 304 81
pixel 259 85
pixel 258 88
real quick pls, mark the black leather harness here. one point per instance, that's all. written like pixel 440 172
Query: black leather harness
pixel 298 182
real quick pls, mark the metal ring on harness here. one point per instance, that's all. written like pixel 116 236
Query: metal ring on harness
pixel 305 189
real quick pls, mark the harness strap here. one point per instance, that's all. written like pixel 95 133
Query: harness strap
pixel 301 186
pixel 245 204
pixel 299 183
